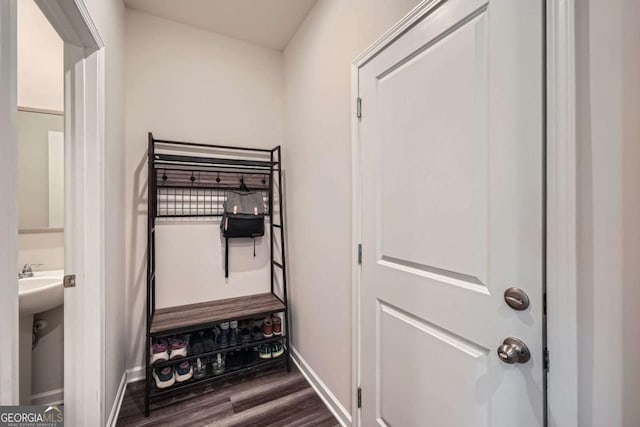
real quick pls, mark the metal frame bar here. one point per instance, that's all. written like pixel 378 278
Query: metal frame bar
pixel 271 221
pixel 150 307
pixel 222 147
pixel 209 164
pixel 241 372
pixel 217 161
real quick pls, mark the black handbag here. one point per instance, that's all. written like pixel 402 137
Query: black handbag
pixel 243 216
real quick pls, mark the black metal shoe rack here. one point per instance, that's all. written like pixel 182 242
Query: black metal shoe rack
pixel 190 180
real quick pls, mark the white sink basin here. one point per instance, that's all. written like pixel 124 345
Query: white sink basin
pixel 41 292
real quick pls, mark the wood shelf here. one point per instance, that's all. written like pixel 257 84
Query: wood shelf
pixel 192 317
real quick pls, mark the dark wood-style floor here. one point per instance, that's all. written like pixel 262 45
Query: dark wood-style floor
pixel 274 398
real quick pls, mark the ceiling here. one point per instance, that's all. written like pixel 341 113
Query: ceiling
pixel 269 23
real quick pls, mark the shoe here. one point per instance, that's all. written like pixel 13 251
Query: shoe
pixel 233 360
pixel 215 334
pixel 277 349
pixel 223 338
pixel 245 332
pixel 247 356
pixel 233 333
pixel 208 341
pixel 164 377
pixel 267 327
pixel 159 351
pixel 256 332
pixel 196 343
pixel 277 325
pixel 218 364
pixel 178 348
pixel 208 363
pixel 184 371
pixel 265 351
pixel 199 368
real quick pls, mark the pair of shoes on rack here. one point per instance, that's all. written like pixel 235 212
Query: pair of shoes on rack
pixel 271 350
pixel 249 331
pixel 209 365
pixel 271 326
pixel 205 341
pixel 228 334
pixel 241 358
pixel 169 375
pixel 163 349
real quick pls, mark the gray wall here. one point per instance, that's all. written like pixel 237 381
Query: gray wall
pixel 317 157
pixel 608 135
pixel 216 90
pixel 47 358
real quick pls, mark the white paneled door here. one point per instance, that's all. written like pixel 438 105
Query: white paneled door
pixel 451 156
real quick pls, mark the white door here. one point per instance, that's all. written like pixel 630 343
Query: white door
pixel 451 145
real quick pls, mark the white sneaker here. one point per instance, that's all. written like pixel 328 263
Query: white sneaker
pixel 164 378
pixel 159 352
pixel 184 371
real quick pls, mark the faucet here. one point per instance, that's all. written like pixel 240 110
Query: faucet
pixel 27 270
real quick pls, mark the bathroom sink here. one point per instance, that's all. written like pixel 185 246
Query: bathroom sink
pixel 41 292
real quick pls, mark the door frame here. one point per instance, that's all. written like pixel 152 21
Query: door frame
pixel 84 92
pixel 560 204
pixel 9 367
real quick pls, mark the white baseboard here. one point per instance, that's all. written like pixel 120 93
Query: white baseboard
pixel 329 399
pixel 135 374
pixel 117 403
pixel 53 397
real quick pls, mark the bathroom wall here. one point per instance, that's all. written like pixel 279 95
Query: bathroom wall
pixel 41 86
pixel 187 84
pixel 40 60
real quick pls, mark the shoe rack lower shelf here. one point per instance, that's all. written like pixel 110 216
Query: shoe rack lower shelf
pixel 191 317
pixel 219 350
pixel 211 378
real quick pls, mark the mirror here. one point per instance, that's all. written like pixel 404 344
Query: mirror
pixel 40 169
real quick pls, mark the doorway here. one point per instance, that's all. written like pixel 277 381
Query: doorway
pixel 450 141
pixel 83 207
pixel 40 143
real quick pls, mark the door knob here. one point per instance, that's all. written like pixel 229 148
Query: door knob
pixel 513 351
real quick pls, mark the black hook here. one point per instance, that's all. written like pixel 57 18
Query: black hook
pixel 218 178
pixel 193 178
pixel 264 180
pixel 164 175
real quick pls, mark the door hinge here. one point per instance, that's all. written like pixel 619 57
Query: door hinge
pixel 545 363
pixel 359 108
pixel 69 281
pixel 359 253
pixel 359 397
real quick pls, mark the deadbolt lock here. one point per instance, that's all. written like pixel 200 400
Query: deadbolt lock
pixel 516 298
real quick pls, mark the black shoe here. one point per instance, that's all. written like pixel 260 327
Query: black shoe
pixel 256 331
pixel 196 343
pixel 245 334
pixel 234 360
pixel 208 341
